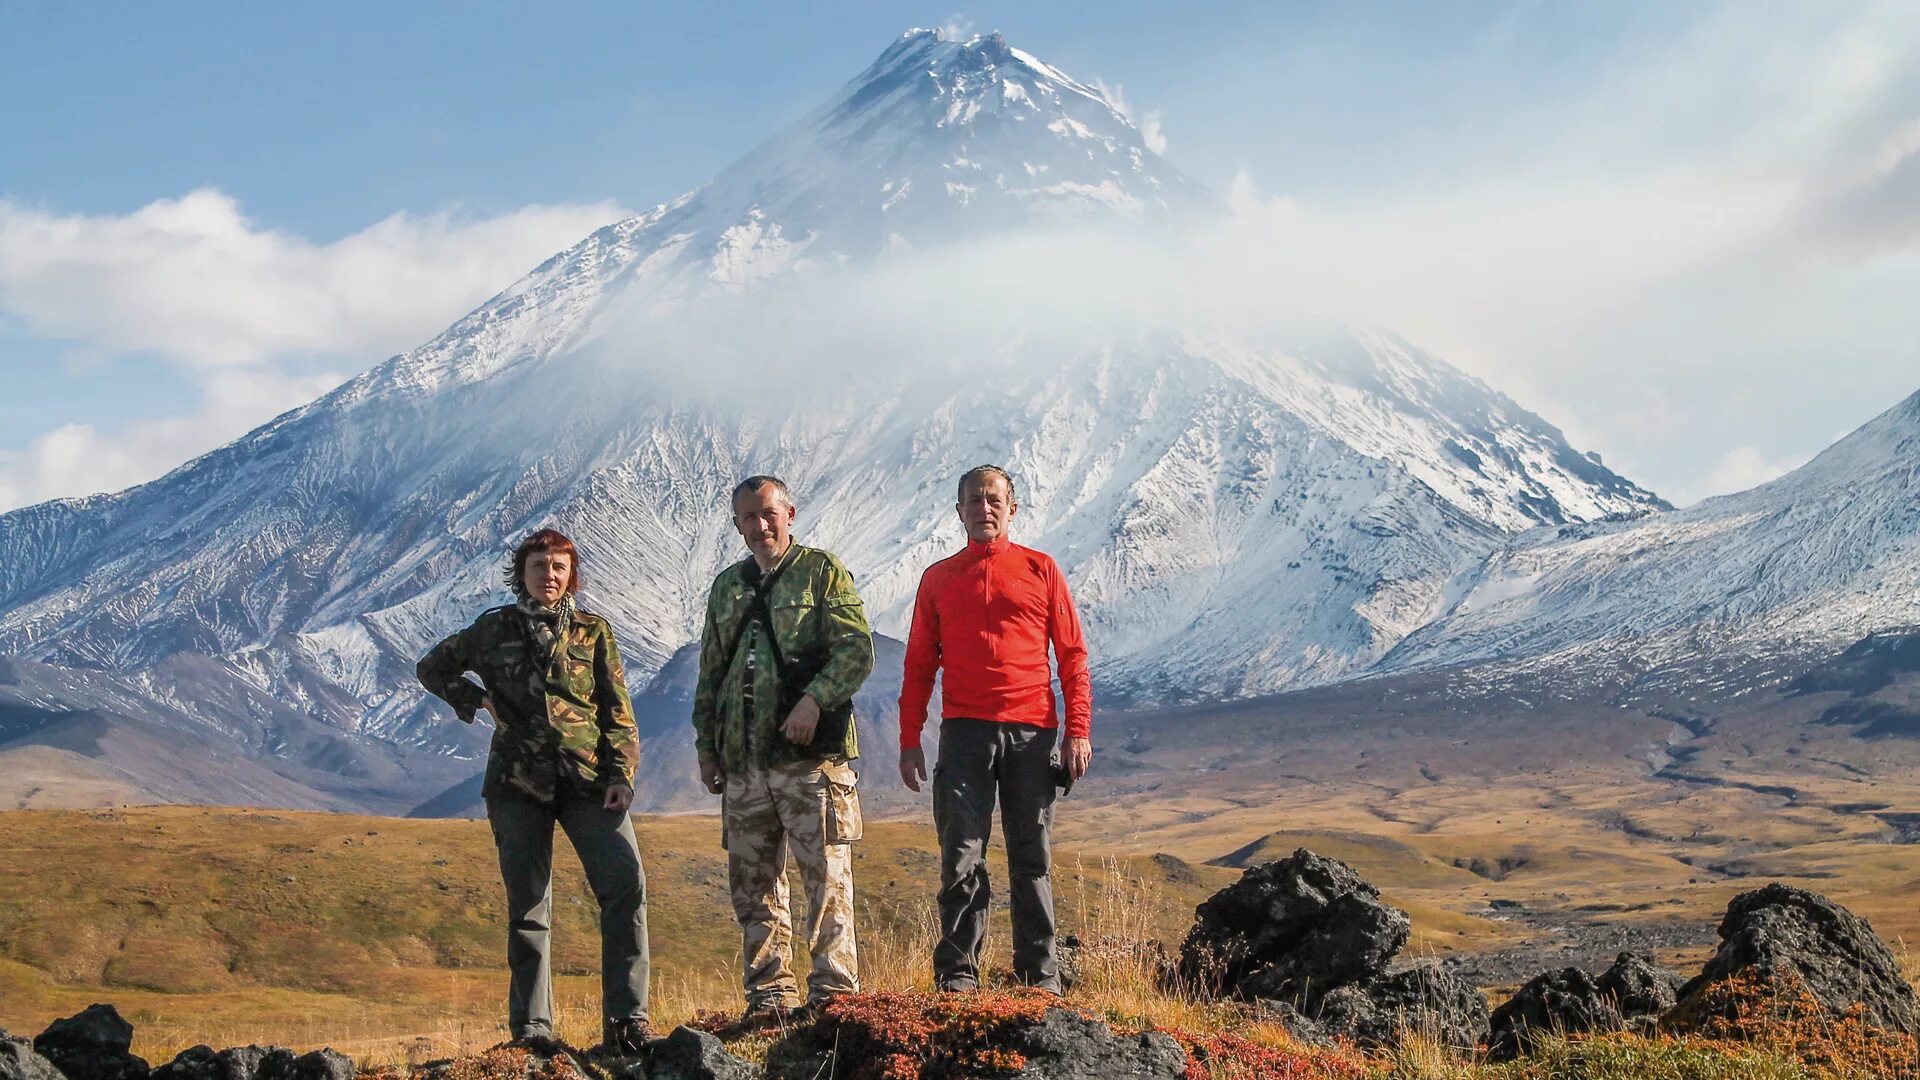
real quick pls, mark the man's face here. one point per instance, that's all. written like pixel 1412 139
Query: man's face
pixel 545 576
pixel 987 507
pixel 764 519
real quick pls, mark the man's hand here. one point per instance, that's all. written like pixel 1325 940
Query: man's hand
pixel 486 703
pixel 713 777
pixel 913 768
pixel 619 798
pixel 801 721
pixel 1079 755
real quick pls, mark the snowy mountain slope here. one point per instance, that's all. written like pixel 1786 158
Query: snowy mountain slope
pixel 1238 514
pixel 1806 564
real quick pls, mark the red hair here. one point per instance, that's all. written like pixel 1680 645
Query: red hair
pixel 551 541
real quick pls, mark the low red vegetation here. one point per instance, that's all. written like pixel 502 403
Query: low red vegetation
pixel 1785 1018
pixel 1225 1057
pixel 497 1063
pixel 911 1036
pixel 914 1036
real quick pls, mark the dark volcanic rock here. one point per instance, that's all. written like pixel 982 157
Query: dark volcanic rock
pixel 92 1044
pixel 1291 930
pixel 256 1063
pixel 1301 1027
pixel 1567 1001
pixel 969 1037
pixel 687 1054
pixel 1780 935
pixel 326 1064
pixel 1427 1001
pixel 1067 1045
pixel 1638 987
pixel 205 1063
pixel 539 1056
pixel 18 1061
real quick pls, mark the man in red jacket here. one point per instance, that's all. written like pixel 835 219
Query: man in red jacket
pixel 985 617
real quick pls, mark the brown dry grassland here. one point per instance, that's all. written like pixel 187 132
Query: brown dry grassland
pixel 383 937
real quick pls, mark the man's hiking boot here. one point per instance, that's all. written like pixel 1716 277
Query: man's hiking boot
pixel 624 1038
pixel 763 1013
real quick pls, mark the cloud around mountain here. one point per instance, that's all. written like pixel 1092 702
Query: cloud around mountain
pixel 1728 207
pixel 257 319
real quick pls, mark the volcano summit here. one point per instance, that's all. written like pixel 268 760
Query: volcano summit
pixel 1238 512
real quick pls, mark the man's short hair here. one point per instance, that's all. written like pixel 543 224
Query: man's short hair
pixel 979 472
pixel 758 481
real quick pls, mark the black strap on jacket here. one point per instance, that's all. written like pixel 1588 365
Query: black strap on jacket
pixel 795 678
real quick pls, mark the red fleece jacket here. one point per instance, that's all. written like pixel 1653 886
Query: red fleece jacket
pixel 986 616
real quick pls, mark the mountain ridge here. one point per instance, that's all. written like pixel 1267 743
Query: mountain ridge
pixel 1239 513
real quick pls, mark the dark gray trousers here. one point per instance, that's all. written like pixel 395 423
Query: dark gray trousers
pixel 980 759
pixel 523 833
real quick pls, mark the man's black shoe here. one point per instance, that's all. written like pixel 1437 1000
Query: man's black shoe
pixel 626 1037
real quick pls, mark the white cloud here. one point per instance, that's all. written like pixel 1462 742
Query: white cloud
pixel 1713 244
pixel 194 280
pixel 1744 467
pixel 248 312
pixel 1152 131
pixel 78 459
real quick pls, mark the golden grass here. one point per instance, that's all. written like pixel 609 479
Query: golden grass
pixel 385 943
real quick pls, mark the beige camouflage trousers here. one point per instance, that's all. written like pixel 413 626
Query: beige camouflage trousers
pixel 812 810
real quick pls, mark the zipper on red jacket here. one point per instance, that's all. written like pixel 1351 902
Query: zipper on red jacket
pixel 986 608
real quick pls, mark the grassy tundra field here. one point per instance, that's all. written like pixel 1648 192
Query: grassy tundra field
pixel 383 937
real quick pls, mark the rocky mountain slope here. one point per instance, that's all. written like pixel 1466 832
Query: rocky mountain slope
pixel 1238 514
pixel 1802 567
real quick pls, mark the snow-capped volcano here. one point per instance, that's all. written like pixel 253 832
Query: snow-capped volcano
pixel 1238 513
pixel 1802 566
pixel 937 123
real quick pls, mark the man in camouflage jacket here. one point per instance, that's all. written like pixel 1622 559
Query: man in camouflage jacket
pixel 564 752
pixel 784 776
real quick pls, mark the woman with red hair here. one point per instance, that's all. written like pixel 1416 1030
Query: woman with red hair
pixel 564 752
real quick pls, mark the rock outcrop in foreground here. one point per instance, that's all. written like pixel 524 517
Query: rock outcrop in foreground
pixel 1630 994
pixel 1309 941
pixel 97 1043
pixel 1309 937
pixel 1788 939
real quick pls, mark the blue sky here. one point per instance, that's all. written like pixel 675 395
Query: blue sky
pixel 1685 233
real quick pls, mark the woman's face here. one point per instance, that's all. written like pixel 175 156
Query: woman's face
pixel 546 576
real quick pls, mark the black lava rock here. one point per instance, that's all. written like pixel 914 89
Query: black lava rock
pixel 1638 987
pixel 1781 936
pixel 1067 1045
pixel 1428 1001
pixel 93 1044
pixel 19 1061
pixel 1567 1001
pixel 1290 931
pixel 688 1054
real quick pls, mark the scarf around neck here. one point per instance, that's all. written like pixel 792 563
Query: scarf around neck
pixel 548 625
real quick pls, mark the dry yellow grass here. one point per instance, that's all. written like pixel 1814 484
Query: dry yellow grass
pixel 382 937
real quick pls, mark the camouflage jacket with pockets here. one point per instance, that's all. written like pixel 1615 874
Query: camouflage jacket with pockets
pixel 568 716
pixel 814 604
